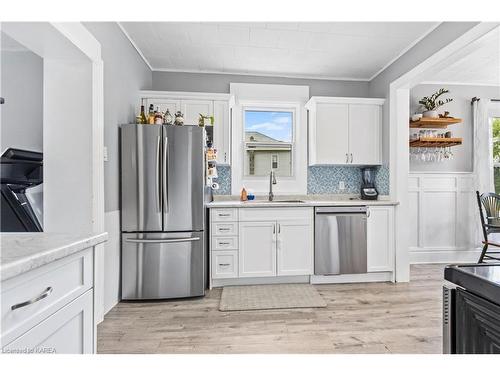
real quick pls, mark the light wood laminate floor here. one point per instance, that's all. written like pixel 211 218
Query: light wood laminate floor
pixel 359 318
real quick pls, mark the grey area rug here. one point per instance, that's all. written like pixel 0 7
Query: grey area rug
pixel 265 297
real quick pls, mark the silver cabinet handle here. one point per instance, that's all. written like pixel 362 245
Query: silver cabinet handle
pixel 167 240
pixel 351 158
pixel 346 157
pixel 43 295
pixel 165 175
pixel 224 229
pixel 367 211
pixel 274 228
pixel 224 264
pixel 279 228
pixel 224 215
pixel 223 243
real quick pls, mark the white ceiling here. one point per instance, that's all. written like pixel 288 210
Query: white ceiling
pixel 332 50
pixel 480 66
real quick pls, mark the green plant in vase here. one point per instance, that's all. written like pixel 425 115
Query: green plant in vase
pixel 432 103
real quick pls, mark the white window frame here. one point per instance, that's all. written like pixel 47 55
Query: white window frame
pixel 297 182
pixel 292 143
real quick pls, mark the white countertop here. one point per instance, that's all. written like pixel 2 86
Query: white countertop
pixel 22 252
pixel 306 201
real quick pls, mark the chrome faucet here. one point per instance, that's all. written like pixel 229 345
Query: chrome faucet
pixel 272 181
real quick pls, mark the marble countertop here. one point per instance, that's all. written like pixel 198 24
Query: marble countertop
pixel 305 201
pixel 22 252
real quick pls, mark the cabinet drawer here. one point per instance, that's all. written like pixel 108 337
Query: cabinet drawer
pixel 224 243
pixel 224 229
pixel 68 331
pixel 224 264
pixel 224 214
pixel 54 285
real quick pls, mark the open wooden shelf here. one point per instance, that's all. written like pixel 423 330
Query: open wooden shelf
pixel 435 142
pixel 436 123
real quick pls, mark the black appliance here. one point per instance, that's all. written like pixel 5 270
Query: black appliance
pixel 20 170
pixel 471 309
pixel 368 190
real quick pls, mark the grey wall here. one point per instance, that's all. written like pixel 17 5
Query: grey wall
pixel 440 37
pixel 125 73
pixel 22 87
pixel 460 107
pixel 207 82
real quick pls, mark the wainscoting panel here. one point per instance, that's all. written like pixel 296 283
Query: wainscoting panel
pixel 443 218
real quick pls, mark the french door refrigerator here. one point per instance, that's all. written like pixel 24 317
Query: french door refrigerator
pixel 162 208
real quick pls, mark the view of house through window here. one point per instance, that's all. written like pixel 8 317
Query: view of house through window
pixel 268 142
pixel 495 128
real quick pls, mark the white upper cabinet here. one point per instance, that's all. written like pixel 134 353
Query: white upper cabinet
pixel 191 104
pixel 191 109
pixel 222 133
pixel 365 133
pixel 345 131
pixel 332 137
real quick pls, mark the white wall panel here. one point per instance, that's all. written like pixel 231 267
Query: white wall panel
pixel 443 218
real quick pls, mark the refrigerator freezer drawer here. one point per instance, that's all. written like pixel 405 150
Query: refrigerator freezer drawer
pixel 163 265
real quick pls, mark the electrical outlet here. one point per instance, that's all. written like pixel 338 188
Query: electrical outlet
pixel 341 185
pixel 105 153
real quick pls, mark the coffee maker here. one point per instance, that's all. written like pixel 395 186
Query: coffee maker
pixel 368 190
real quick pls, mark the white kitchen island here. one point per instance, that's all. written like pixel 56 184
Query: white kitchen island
pixel 47 292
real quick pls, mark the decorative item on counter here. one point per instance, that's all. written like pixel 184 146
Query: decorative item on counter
pixel 158 117
pixel 243 195
pixel 167 118
pixel 250 195
pixel 447 134
pixel 179 118
pixel 431 103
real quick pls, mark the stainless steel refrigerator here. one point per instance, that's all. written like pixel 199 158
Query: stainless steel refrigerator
pixel 163 213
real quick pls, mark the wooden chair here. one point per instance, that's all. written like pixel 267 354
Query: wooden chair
pixel 489 211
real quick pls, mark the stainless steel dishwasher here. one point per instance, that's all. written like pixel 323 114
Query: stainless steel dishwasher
pixel 340 240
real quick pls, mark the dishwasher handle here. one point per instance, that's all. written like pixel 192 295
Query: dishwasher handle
pixel 351 210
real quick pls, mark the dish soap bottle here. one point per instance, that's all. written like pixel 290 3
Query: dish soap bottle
pixel 243 196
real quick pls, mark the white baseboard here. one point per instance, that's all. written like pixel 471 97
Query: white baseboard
pixel 112 260
pixel 260 280
pixel 437 255
pixel 354 278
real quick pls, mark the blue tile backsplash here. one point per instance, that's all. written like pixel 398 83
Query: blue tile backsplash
pixel 321 180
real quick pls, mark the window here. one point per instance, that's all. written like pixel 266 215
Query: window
pixel 495 130
pixel 268 142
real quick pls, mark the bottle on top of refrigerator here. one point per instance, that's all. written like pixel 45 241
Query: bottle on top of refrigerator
pixel 158 117
pixel 151 115
pixel 142 116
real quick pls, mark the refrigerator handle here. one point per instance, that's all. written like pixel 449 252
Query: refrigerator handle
pixel 167 240
pixel 165 175
pixel 158 174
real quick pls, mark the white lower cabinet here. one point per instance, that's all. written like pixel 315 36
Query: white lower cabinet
pixel 380 239
pixel 294 248
pixel 257 249
pixel 267 242
pixel 68 331
pixel 224 264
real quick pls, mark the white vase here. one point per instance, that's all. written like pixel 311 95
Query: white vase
pixel 431 114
